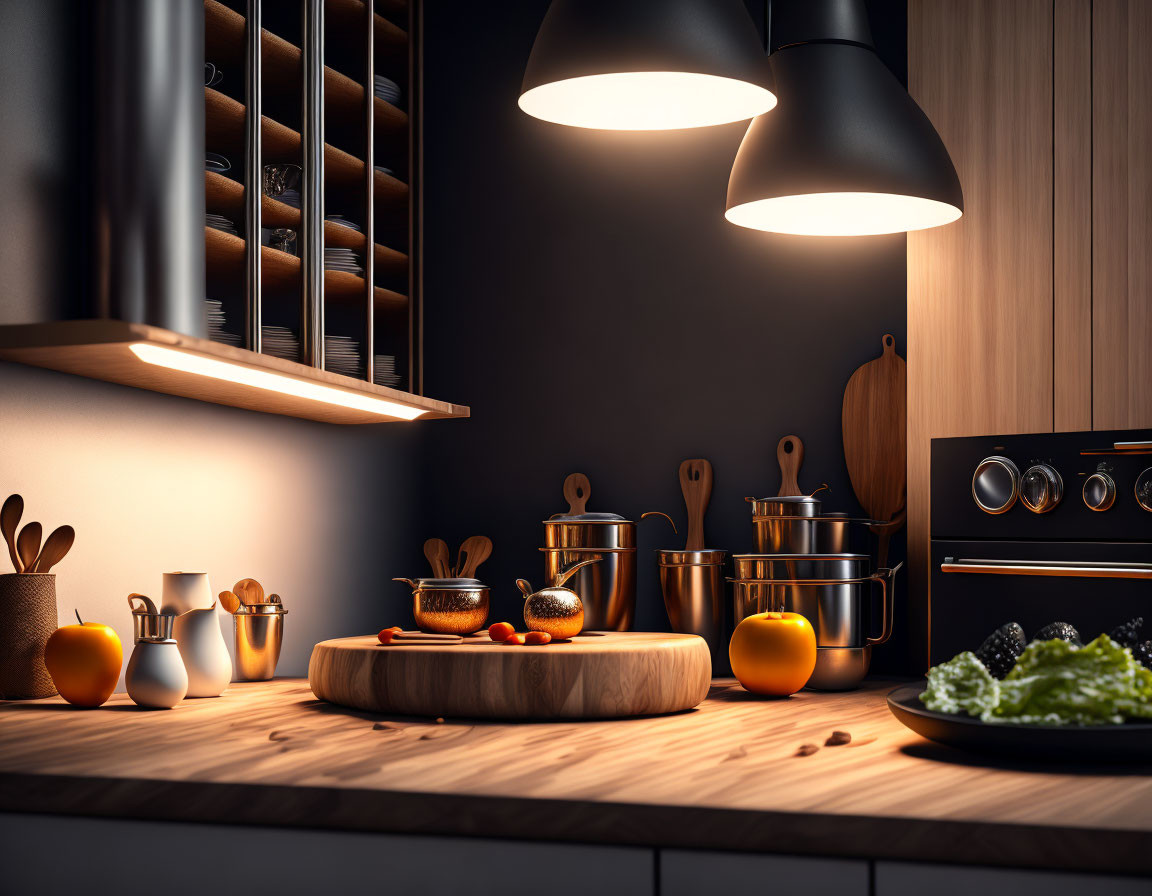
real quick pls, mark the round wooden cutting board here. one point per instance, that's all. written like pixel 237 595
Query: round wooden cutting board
pixel 597 675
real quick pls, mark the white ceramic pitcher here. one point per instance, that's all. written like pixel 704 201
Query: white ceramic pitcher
pixel 197 632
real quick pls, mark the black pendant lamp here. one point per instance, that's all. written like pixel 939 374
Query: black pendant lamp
pixel 847 152
pixel 647 65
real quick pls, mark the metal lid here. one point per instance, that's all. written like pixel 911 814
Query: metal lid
pixel 450 584
pixel 704 557
pixel 585 518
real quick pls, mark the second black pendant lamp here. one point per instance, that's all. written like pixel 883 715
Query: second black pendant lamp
pixel 847 151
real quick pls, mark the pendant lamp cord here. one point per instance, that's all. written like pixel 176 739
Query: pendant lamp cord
pixel 768 26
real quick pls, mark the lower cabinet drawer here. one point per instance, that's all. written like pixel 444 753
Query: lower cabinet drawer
pixel 900 879
pixel 44 854
pixel 691 873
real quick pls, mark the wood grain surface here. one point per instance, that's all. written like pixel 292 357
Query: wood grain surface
pixel 1121 214
pixel 594 676
pixel 722 776
pixel 1072 215
pixel 980 313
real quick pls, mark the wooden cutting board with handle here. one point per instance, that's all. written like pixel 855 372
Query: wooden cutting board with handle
pixel 596 675
pixel 696 484
pixel 874 420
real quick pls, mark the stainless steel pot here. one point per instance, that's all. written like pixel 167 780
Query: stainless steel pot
pixel 693 586
pixel 785 505
pixel 608 588
pixel 827 534
pixel 839 668
pixel 448 606
pixel 826 589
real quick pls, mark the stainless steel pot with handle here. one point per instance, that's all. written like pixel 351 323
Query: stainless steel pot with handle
pixel 828 590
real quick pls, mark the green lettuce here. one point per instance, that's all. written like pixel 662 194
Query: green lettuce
pixel 962 684
pixel 1056 683
pixel 1053 683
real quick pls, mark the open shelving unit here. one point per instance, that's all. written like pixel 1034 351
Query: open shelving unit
pixel 291 329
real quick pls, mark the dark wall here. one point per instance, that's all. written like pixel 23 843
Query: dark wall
pixel 586 297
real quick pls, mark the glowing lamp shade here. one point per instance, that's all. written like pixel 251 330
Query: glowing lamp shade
pixel 847 152
pixel 647 65
pixel 214 368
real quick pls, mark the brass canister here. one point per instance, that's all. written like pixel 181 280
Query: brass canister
pixel 259 633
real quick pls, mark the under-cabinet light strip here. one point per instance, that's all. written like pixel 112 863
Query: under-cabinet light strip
pixel 213 368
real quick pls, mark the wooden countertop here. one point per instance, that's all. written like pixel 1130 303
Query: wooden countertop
pixel 723 776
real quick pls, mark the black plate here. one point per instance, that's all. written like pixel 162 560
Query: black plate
pixel 1132 741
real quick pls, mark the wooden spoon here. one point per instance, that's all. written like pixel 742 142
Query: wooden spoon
pixel 229 601
pixel 577 490
pixel 790 454
pixel 28 545
pixel 10 515
pixel 249 591
pixel 55 547
pixel 436 552
pixel 696 484
pixel 476 549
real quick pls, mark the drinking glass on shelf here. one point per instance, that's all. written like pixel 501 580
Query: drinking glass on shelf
pixel 278 179
pixel 284 239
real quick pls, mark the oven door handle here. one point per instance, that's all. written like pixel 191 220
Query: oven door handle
pixel 1049 568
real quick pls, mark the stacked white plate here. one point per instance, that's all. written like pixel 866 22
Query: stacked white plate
pixel 280 342
pixel 384 371
pixel 342 260
pixel 219 222
pixel 341 221
pixel 342 355
pixel 217 324
pixel 388 90
pixel 213 161
pixel 384 170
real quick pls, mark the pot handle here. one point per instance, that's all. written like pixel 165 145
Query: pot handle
pixel 660 513
pixel 407 582
pixel 887 580
pixel 571 570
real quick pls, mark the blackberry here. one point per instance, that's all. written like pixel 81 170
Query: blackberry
pixel 1128 634
pixel 1000 649
pixel 1142 653
pixel 1061 630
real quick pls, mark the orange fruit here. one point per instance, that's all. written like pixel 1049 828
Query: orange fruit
pixel 84 662
pixel 500 631
pixel 773 653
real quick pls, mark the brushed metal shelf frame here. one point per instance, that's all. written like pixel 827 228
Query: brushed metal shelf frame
pixel 254 178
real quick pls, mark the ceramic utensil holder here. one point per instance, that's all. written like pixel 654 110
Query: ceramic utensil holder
pixel 27 619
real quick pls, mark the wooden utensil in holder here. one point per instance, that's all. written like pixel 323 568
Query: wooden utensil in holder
pixel 696 484
pixel 790 454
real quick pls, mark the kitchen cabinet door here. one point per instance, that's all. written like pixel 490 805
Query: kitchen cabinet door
pixel 692 873
pixel 55 854
pixel 1121 214
pixel 898 879
pixel 980 308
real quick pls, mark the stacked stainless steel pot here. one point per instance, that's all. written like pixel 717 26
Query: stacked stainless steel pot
pixel 608 588
pixel 803 566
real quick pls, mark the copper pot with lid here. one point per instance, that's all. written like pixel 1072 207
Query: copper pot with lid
pixel 608 588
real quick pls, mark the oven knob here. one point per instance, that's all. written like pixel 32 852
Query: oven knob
pixel 1041 488
pixel 1144 489
pixel 996 484
pixel 1099 491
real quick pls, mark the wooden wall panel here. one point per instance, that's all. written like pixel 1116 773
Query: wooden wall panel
pixel 980 311
pixel 1122 214
pixel 1072 218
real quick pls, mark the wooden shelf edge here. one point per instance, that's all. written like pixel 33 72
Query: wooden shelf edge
pixel 99 349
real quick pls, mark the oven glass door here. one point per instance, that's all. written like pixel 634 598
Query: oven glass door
pixel 977 586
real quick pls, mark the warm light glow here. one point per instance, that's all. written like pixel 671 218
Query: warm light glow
pixel 647 101
pixel 190 362
pixel 842 214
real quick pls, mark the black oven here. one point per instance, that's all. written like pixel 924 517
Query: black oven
pixel 1037 529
